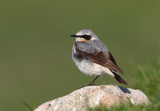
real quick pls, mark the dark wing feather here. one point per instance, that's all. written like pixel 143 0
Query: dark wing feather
pixel 113 60
pixel 100 58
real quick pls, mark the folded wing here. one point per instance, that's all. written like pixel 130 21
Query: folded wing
pixel 100 58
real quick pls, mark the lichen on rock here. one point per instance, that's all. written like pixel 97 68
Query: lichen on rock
pixel 92 96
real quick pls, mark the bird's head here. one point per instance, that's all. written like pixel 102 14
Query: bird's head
pixel 85 35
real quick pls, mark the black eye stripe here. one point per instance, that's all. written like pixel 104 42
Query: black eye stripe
pixel 87 37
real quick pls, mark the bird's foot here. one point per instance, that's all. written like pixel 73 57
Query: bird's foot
pixel 91 84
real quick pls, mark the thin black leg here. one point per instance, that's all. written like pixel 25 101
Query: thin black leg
pixel 91 84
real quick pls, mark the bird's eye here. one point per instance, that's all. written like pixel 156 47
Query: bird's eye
pixel 87 37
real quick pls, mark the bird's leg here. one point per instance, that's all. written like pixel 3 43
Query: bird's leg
pixel 91 84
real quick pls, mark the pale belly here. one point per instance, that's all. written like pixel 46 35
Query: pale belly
pixel 89 68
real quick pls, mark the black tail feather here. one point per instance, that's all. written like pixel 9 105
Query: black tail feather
pixel 118 78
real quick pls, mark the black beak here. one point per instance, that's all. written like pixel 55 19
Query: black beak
pixel 74 36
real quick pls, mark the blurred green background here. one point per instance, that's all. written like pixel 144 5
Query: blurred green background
pixel 35 47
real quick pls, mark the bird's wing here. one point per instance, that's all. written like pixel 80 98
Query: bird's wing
pixel 100 58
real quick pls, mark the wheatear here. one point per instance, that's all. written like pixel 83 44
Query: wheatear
pixel 92 57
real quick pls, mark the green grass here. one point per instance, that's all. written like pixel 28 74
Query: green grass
pixel 128 107
pixel 146 79
pixel 35 46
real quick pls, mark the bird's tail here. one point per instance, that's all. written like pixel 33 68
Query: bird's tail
pixel 118 78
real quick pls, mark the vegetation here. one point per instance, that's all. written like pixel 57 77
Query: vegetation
pixel 147 79
pixel 35 47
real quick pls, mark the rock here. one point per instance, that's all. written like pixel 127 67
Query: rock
pixel 92 96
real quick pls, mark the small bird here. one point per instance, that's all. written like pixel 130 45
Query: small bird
pixel 92 57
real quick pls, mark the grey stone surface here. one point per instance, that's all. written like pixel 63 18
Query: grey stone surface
pixel 92 96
